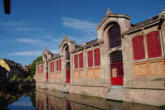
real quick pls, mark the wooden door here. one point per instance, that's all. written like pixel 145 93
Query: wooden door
pixel 68 75
pixel 117 73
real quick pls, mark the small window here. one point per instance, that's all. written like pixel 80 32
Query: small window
pixel 51 66
pixel 116 57
pixel 90 58
pixel 153 44
pixel 81 60
pixel 58 65
pixel 138 47
pixel 38 68
pixel 76 61
pixel 97 57
pixel 42 68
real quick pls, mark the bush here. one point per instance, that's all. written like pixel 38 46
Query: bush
pixel 33 67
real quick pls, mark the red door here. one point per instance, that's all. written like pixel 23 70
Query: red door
pixel 68 75
pixel 46 76
pixel 117 73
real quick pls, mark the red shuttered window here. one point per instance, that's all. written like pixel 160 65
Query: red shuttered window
pixel 90 58
pixel 153 44
pixel 38 69
pixel 76 61
pixel 58 65
pixel 97 57
pixel 138 47
pixel 81 60
pixel 42 68
pixel 51 66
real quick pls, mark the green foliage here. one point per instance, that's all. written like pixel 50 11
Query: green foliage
pixel 33 67
pixel 28 78
pixel 14 78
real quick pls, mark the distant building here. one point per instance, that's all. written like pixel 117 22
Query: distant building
pixel 13 68
pixel 126 62
pixel 3 74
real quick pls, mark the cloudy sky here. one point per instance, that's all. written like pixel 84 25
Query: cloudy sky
pixel 37 24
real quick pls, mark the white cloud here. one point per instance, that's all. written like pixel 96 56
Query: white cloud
pixel 28 29
pixel 27 53
pixel 28 40
pixel 81 25
pixel 12 23
pixel 87 29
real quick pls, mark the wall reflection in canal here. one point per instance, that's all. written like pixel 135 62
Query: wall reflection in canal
pixel 53 100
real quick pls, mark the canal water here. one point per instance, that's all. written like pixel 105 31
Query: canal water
pixel 54 100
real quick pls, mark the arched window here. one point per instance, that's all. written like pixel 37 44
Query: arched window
pixel 67 53
pixel 114 36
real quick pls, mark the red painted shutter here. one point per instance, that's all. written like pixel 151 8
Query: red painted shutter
pixel 134 43
pixel 141 47
pixel 157 44
pixel 50 66
pixel 97 57
pixel 75 61
pixel 38 68
pixel 153 44
pixel 90 58
pixel 56 65
pixel 60 65
pixel 81 60
pixel 53 66
pixel 138 47
pixel 41 68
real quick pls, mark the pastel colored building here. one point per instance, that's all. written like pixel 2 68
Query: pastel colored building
pixel 126 62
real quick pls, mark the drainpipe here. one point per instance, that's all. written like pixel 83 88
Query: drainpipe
pixel 162 19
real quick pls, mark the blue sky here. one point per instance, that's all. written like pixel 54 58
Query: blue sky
pixel 37 24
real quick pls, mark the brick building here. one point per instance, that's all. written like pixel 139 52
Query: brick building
pixel 126 62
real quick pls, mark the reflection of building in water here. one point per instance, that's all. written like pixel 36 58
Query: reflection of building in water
pixel 59 101
pixel 125 62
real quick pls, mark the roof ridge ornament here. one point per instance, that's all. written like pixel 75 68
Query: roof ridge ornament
pixel 163 11
pixel 65 37
pixel 108 11
pixel 162 15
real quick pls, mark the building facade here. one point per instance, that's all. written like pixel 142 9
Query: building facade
pixel 126 62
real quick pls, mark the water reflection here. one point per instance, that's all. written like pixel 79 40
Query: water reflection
pixel 51 100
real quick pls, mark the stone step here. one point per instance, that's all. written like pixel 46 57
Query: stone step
pixel 115 93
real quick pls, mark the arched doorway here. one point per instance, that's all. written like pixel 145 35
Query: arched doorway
pixel 68 72
pixel 116 68
pixel 116 60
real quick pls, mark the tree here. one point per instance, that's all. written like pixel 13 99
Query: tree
pixel 33 67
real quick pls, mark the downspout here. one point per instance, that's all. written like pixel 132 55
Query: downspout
pixel 162 19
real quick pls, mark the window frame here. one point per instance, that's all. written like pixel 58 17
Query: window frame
pixel 146 47
pixel 140 46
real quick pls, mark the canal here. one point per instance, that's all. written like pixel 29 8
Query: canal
pixel 54 100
